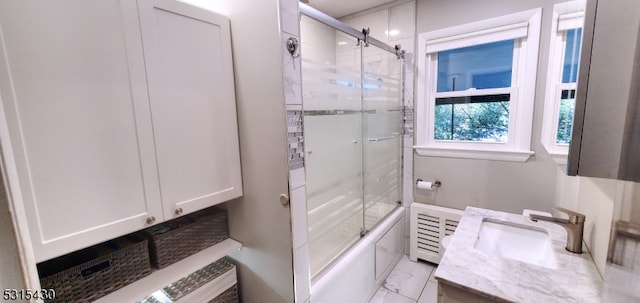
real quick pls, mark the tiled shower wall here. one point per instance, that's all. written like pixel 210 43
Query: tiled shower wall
pixel 292 79
pixel 394 24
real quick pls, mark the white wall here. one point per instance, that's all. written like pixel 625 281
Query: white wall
pixel 503 186
pixel 595 198
pixel 537 184
pixel 258 220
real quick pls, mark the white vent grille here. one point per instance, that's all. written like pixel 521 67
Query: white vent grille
pixel 450 226
pixel 429 233
pixel 429 224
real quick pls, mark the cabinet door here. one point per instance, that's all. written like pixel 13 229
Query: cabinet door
pixel 77 118
pixel 604 140
pixel 188 59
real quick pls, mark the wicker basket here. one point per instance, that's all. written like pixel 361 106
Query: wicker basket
pixel 177 239
pixel 91 273
pixel 228 296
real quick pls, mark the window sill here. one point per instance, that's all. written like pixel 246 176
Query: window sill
pixel 560 158
pixel 494 155
pixel 559 153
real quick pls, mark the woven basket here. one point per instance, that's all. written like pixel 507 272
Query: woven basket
pixel 228 296
pixel 177 239
pixel 96 271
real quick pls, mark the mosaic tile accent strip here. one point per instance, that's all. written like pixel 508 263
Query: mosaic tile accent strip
pixel 295 139
pixel 408 120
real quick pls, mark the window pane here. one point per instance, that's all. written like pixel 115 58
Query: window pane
pixel 565 117
pixel 571 55
pixel 479 66
pixel 477 118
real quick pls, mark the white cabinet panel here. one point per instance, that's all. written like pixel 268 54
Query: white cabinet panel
pixel 115 112
pixel 604 142
pixel 73 92
pixel 189 69
pixel 389 249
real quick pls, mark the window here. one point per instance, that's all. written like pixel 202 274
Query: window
pixel 564 57
pixel 476 86
pixel 461 116
pixel 567 87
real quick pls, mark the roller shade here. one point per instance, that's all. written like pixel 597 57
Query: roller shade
pixel 500 33
pixel 570 21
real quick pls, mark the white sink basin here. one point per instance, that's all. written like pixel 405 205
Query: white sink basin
pixel 519 242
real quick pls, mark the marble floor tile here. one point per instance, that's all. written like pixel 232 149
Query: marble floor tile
pixel 429 293
pixel 432 277
pixel 408 278
pixel 384 295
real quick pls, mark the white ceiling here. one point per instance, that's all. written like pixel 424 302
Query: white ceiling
pixel 341 8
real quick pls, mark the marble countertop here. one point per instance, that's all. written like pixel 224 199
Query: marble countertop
pixel 576 278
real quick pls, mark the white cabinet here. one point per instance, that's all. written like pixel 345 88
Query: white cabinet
pixel 75 102
pixel 96 151
pixel 190 75
pixel 606 131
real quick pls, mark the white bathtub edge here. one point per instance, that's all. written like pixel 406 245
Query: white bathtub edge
pixel 322 284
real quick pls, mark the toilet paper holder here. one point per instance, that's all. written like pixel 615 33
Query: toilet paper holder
pixel 434 185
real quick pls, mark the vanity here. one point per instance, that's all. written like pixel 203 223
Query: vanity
pixel 502 257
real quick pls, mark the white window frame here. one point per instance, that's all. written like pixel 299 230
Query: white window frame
pixel 566 16
pixel 524 27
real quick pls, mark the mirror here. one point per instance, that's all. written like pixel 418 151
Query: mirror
pixel 623 258
pixel 625 230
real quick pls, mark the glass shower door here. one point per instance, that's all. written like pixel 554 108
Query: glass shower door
pixel 382 132
pixel 332 98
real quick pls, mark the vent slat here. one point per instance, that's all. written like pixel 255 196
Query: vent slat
pixel 433 245
pixel 428 223
pixel 430 238
pixel 454 224
pixel 428 218
pixel 429 242
pixel 428 231
pixel 432 241
pixel 425 236
pixel 428 227
pixel 429 248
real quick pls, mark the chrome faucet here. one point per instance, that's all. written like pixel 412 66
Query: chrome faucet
pixel 574 226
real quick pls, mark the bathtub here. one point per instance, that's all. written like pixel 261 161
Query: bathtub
pixel 358 273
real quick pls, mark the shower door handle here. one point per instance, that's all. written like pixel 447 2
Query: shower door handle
pixel 384 138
